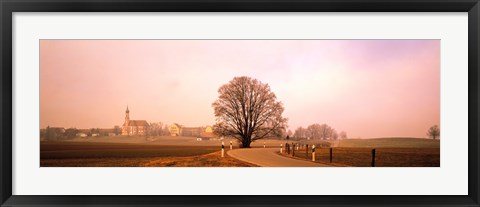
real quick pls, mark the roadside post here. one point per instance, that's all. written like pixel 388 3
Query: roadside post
pixel 231 145
pixel 223 150
pixel 263 144
pixel 306 151
pixel 297 145
pixel 293 150
pixel 313 153
pixel 331 149
pixel 373 157
pixel 281 148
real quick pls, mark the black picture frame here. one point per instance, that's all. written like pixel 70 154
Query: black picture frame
pixel 7 7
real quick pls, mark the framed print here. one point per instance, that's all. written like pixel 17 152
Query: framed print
pixel 239 103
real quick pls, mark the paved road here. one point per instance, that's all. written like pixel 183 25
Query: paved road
pixel 268 157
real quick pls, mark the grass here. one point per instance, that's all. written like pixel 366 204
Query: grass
pixel 384 157
pixel 71 150
pixel 88 154
pixel 390 152
pixel 391 143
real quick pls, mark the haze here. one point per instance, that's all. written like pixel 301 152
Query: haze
pixel 368 88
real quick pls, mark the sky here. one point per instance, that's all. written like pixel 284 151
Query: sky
pixel 367 88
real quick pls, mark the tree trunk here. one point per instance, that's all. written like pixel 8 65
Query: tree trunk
pixel 246 143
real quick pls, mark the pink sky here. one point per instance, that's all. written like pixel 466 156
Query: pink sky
pixel 368 88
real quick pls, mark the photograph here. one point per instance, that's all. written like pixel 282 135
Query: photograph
pixel 239 103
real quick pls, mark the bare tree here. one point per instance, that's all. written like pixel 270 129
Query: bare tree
pixel 325 131
pixel 166 131
pixel 71 133
pixel 155 128
pixel 343 135
pixel 117 130
pixel 247 110
pixel 433 132
pixel 300 133
pixel 333 134
pixel 314 131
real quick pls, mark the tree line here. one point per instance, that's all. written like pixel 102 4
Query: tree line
pixel 158 129
pixel 318 131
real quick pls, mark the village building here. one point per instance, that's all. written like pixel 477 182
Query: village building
pixel 201 132
pixel 175 130
pixel 134 127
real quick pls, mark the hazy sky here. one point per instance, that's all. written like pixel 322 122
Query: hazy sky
pixel 368 88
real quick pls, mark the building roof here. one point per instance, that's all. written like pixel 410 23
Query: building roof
pixel 137 123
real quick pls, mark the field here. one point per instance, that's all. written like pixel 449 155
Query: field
pixel 170 141
pixel 390 152
pixel 121 151
pixel 96 154
pixel 390 142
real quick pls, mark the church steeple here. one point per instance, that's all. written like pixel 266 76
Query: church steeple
pixel 127 116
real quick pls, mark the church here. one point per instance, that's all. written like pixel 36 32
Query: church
pixel 134 127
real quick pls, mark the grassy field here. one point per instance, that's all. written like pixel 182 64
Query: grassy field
pixel 170 141
pixel 187 151
pixel 94 154
pixel 390 152
pixel 384 157
pixel 390 142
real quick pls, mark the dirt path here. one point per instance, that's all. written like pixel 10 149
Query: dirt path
pixel 267 157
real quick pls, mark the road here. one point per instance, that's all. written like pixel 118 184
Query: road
pixel 268 157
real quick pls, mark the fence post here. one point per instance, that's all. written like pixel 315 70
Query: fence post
pixel 231 145
pixel 281 149
pixel 223 150
pixel 306 151
pixel 331 154
pixel 373 157
pixel 313 153
pixel 293 150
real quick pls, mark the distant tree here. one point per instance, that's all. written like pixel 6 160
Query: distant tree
pixel 43 133
pixel 300 133
pixel 289 133
pixel 71 133
pixel 155 129
pixel 287 138
pixel 325 131
pixel 166 131
pixel 49 133
pixel 117 130
pixel 314 131
pixel 333 134
pixel 93 131
pixel 434 132
pixel 248 110
pixel 343 135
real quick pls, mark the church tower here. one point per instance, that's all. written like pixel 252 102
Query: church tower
pixel 134 127
pixel 126 128
pixel 127 116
